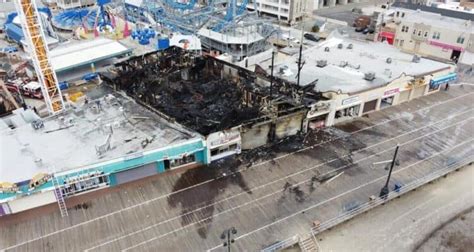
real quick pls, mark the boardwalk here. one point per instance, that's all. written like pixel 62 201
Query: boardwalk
pixel 268 201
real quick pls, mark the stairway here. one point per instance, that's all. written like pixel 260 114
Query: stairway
pixel 308 244
pixel 59 197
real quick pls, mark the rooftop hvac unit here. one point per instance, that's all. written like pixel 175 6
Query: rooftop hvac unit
pixel 350 46
pixel 321 63
pixel 326 49
pixel 388 72
pixel 340 46
pixel 370 76
pixel 343 63
pixel 388 60
pixel 283 69
pixel 416 59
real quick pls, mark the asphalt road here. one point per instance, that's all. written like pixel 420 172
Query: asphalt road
pixel 403 224
pixel 268 201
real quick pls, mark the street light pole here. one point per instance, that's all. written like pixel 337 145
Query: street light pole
pixel 385 190
pixel 226 235
pixel 271 73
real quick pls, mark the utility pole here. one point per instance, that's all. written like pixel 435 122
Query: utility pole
pixel 300 64
pixel 271 73
pixel 226 235
pixel 385 190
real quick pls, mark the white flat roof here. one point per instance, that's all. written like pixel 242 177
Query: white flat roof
pixel 71 55
pixel 437 20
pixel 362 58
pixel 73 146
pixel 238 36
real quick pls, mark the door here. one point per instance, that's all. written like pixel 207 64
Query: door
pixel 417 46
pixel 455 55
pixel 136 173
pixel 370 106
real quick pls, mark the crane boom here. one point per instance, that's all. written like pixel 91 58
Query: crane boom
pixel 38 49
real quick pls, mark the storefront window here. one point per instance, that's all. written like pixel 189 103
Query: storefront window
pixel 387 101
pixel 348 112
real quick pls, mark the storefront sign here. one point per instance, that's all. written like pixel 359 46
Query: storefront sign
pixel 391 92
pixel 350 100
pixel 446 46
pixel 223 137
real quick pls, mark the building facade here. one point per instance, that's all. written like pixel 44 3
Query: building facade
pixel 289 11
pixel 433 35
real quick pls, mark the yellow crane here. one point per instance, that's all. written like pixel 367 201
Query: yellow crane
pixel 38 49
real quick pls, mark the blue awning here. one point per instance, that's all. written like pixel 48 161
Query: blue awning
pixel 434 83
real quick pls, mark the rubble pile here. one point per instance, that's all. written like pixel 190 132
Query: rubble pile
pixel 192 91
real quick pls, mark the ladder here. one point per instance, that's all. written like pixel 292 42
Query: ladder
pixel 59 197
pixel 308 244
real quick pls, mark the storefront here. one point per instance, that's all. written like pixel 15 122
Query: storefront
pixel 386 36
pixel 224 143
pixel 388 98
pixel 437 82
pixel 350 108
pixel 370 106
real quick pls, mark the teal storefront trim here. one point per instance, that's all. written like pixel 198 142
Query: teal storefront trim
pixel 196 147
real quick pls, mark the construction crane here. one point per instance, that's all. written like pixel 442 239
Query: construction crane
pixel 35 40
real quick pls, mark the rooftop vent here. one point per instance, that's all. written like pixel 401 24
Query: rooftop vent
pixel 416 59
pixel 321 63
pixel 343 63
pixel 340 46
pixel 388 60
pixel 283 69
pixel 326 49
pixel 350 46
pixel 370 76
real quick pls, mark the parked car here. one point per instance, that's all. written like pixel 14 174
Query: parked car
pixel 368 30
pixel 360 29
pixel 311 37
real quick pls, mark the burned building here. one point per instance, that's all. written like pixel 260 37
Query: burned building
pixel 232 107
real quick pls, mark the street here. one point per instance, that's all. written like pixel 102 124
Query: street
pixel 267 200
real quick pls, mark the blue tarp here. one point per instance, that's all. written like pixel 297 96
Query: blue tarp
pixel 14 32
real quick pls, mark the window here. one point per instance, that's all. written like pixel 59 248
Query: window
pixel 404 28
pixel 419 33
pixel 426 34
pixel 398 13
pixel 414 31
pixel 460 40
pixel 403 14
pixel 436 35
pixel 401 42
pixel 182 161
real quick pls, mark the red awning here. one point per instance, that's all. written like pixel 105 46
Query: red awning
pixel 385 34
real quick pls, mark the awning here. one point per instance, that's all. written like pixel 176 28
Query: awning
pixel 434 83
pixel 69 56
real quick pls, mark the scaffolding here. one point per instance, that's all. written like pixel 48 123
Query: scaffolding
pixel 222 25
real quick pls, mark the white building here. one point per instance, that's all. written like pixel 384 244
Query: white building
pixel 69 4
pixel 433 35
pixel 289 11
pixel 359 77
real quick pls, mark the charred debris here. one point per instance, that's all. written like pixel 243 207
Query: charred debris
pixel 204 93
